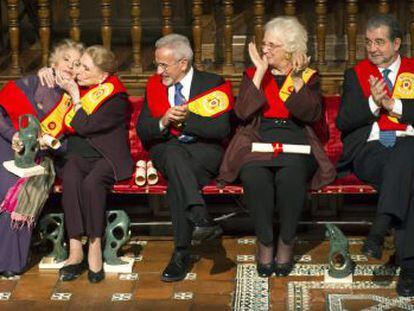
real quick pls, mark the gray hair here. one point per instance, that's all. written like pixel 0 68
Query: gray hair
pixel 389 21
pixel 179 44
pixel 63 45
pixel 290 32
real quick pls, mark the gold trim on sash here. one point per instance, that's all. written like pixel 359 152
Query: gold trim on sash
pixel 288 87
pixel 210 104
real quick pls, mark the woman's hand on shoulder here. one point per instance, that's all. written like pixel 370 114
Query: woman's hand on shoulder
pixel 47 77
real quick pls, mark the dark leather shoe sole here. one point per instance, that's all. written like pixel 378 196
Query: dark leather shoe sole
pixel 96 277
pixel 372 249
pixel 405 289
pixel 206 233
pixel 265 270
pixel 8 274
pixel 173 278
pixel 283 269
pixel 71 272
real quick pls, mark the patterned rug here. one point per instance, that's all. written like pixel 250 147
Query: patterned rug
pixel 254 292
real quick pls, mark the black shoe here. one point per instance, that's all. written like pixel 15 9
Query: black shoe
pixel 206 230
pixel 284 269
pixel 405 285
pixel 265 270
pixel 71 272
pixel 373 247
pixel 96 277
pixel 177 267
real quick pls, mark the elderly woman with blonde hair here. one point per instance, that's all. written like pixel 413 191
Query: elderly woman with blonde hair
pixel 97 156
pixel 278 102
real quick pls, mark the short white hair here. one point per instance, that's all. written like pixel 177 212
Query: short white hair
pixel 290 32
pixel 179 44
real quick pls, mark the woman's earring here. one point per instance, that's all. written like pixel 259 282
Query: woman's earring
pixel 288 56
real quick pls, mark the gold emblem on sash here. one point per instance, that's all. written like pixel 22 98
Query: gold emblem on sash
pixel 209 104
pixel 91 100
pixel 404 86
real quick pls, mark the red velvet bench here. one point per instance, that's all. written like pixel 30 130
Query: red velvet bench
pixel 346 185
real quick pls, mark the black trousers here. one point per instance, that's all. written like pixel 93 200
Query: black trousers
pixel 85 186
pixel 185 179
pixel 391 172
pixel 268 187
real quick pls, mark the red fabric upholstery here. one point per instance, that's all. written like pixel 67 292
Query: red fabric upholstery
pixel 333 147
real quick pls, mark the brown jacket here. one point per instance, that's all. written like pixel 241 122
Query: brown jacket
pixel 304 105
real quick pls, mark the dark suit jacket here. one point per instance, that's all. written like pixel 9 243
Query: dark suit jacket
pixel 207 151
pixel 355 118
pixel 106 130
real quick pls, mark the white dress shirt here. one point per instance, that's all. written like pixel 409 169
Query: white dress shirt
pixel 397 109
pixel 185 91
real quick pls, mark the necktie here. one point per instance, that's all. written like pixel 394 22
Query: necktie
pixel 179 100
pixel 387 138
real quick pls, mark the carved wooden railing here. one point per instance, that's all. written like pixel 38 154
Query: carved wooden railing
pixel 318 29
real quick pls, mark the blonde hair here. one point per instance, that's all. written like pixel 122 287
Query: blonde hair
pixel 290 32
pixel 103 58
pixel 62 46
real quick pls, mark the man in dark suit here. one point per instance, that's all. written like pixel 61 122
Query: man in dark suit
pixel 185 147
pixel 376 117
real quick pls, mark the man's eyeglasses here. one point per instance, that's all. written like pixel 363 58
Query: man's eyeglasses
pixel 165 66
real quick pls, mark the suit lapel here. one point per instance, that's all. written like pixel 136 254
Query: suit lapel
pixel 195 88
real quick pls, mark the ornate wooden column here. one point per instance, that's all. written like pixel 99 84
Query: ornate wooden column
pixel 74 15
pixel 136 31
pixel 197 32
pixel 321 10
pixel 44 29
pixel 412 27
pixel 228 66
pixel 14 32
pixel 259 11
pixel 166 12
pixel 383 6
pixel 106 28
pixel 290 8
pixel 351 30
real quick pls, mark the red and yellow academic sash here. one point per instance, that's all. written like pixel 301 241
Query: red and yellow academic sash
pixel 211 103
pixel 93 97
pixel 276 98
pixel 403 88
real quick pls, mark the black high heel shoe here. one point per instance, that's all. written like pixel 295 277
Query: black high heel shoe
pixel 72 272
pixel 96 277
pixel 265 270
pixel 284 269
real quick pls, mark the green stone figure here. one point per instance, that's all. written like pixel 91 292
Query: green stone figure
pixel 340 263
pixel 117 233
pixel 29 128
pixel 52 228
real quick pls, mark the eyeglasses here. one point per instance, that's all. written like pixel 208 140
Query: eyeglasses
pixel 376 43
pixel 165 66
pixel 271 46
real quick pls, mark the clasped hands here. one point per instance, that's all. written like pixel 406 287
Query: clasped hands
pixel 380 95
pixel 175 116
pixel 17 144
